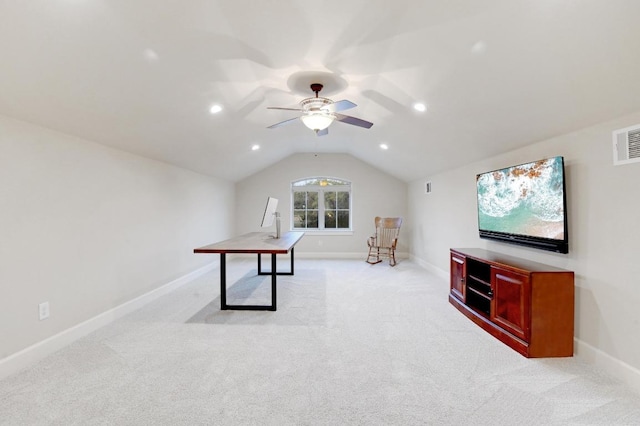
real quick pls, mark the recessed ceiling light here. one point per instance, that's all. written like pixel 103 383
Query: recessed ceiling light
pixel 150 55
pixel 384 146
pixel 419 106
pixel 479 47
pixel 255 147
pixel 215 109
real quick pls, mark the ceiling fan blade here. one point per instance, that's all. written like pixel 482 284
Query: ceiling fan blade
pixel 352 120
pixel 286 109
pixel 322 132
pixel 282 123
pixel 339 106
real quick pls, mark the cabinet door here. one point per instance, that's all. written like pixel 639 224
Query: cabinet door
pixel 457 276
pixel 510 304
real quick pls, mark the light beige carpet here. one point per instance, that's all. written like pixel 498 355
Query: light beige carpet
pixel 351 343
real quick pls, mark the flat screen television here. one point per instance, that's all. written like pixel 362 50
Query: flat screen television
pixel 525 204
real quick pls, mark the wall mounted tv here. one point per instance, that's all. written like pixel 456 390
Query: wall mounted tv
pixel 525 204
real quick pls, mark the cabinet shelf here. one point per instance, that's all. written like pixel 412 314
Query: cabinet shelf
pixel 482 288
pixel 478 280
pixel 479 293
pixel 526 305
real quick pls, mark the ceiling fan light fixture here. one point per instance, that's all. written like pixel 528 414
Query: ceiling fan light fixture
pixel 317 121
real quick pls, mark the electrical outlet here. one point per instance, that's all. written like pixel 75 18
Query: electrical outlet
pixel 43 310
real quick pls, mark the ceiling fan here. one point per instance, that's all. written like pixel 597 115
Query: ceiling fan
pixel 318 113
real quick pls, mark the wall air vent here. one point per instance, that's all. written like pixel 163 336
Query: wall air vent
pixel 626 145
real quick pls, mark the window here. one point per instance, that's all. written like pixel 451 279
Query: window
pixel 322 204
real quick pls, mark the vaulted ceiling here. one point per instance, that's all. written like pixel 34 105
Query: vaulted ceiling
pixel 141 75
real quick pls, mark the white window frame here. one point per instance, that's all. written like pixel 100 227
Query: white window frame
pixel 321 189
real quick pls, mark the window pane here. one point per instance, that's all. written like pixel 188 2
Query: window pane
pixel 312 219
pixel 343 219
pixel 329 219
pixel 329 200
pixel 298 219
pixel 312 200
pixel 299 200
pixel 343 200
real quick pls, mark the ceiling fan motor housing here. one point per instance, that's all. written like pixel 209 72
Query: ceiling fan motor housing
pixel 315 104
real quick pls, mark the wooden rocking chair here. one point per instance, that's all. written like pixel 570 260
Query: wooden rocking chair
pixel 383 242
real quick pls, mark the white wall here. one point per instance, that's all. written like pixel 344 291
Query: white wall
pixel 374 193
pixel 603 204
pixel 88 228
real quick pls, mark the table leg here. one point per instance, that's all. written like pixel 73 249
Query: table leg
pixel 274 274
pixel 223 287
pixel 223 281
pixel 260 272
pixel 292 260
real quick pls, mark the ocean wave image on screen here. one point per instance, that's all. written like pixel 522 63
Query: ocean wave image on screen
pixel 524 200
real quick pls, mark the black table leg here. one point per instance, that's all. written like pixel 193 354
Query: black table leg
pixel 223 281
pixel 260 272
pixel 292 260
pixel 223 287
pixel 274 274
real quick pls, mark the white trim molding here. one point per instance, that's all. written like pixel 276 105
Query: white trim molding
pixel 612 366
pixel 342 255
pixel 431 268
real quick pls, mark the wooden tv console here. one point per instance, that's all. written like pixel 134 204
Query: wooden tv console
pixel 526 305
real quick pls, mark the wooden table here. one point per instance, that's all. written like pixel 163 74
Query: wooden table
pixel 253 242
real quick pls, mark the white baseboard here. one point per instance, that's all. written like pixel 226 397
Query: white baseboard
pixel 341 255
pixel 612 366
pixel 431 268
pixel 336 255
pixel 34 353
pixel 319 255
